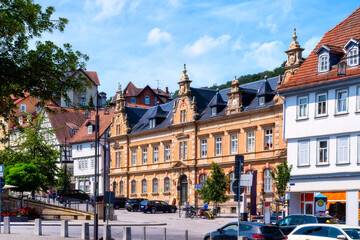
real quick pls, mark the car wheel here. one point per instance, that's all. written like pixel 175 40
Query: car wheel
pixel 129 210
pixel 116 207
pixel 207 238
pixel 153 210
pixel 172 210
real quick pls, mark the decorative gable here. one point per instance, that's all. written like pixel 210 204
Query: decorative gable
pixel 234 104
pixel 120 124
pixel 351 48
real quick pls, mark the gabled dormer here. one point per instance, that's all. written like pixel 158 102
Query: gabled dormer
pixel 217 104
pixel 265 93
pixel 157 116
pixel 328 55
pixel 351 49
pixel 90 127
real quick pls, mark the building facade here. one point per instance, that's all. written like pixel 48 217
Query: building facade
pixel 156 150
pixel 321 116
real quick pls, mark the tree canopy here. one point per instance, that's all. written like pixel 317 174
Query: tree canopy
pixel 45 70
pixel 25 176
pixel 281 176
pixel 216 186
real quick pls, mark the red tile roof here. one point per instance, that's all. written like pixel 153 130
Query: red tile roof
pixel 93 77
pixel 105 121
pixel 335 39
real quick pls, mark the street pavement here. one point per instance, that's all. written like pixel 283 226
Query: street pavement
pixel 175 227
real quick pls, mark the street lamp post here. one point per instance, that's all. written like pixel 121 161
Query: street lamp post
pixel 96 226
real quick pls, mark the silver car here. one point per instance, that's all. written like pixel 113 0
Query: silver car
pixel 319 231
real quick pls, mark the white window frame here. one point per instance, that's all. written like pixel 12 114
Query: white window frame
pixel 303 108
pixel 250 141
pixel 218 146
pixel 353 56
pixel 182 115
pixel 155 154
pixel 322 151
pixel 358 149
pixel 213 111
pixel 152 123
pixel 343 101
pixel 147 100
pixel 323 58
pixel 268 139
pixel 90 129
pixel 183 150
pixel 23 107
pixel 144 156
pixel 304 153
pixel 203 147
pixel 261 101
pixel 155 185
pixel 248 188
pixel 167 152
pixel 121 187
pixel 143 186
pixel 268 181
pixel 167 184
pixel 320 105
pixel 134 157
pixel 83 102
pixel 202 179
pixel 342 150
pixel 234 142
pixel 358 98
pixel 21 120
pixel 133 186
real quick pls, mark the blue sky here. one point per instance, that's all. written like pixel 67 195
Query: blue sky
pixel 148 40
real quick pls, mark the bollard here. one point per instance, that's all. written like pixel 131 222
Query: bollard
pixel 7 225
pixel 38 229
pixel 164 233
pixel 211 236
pixel 64 229
pixel 107 232
pixel 85 231
pixel 127 233
pixel 144 233
pixel 186 235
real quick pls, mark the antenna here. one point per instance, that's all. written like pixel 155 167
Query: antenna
pixel 158 83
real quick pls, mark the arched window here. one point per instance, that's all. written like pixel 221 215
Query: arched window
pixel 155 185
pixel 248 189
pixel 232 179
pixel 144 186
pixel 121 187
pixel 133 186
pixel 202 179
pixel 166 184
pixel 114 188
pixel 268 181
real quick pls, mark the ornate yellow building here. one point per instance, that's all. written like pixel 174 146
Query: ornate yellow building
pixel 155 150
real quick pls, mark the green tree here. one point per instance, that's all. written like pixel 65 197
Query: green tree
pixel 25 176
pixel 216 186
pixel 62 178
pixel 91 105
pixel 41 71
pixel 281 176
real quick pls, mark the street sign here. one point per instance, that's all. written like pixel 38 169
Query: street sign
pixel 1 170
pixel 246 180
pixel 235 187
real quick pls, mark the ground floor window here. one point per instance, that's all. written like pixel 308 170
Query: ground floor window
pixel 307 203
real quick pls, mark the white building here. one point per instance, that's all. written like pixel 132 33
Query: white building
pixel 83 153
pixel 321 124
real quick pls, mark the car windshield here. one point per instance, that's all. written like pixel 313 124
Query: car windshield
pixel 132 201
pixel 144 203
pixel 354 233
pixel 271 230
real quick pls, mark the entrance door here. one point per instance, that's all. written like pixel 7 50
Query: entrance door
pixel 309 208
pixel 184 189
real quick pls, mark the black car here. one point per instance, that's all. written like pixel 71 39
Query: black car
pixel 291 222
pixel 72 195
pixel 98 199
pixel 247 229
pixel 133 204
pixel 119 202
pixel 154 206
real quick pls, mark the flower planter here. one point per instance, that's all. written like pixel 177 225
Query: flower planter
pixel 16 219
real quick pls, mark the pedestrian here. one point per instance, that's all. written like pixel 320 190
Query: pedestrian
pixel 48 196
pixel 53 194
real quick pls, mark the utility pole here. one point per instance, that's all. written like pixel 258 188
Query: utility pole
pixel 96 186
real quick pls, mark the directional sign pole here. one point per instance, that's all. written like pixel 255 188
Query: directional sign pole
pixel 1 179
pixel 238 228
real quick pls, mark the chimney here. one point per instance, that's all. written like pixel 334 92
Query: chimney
pixel 167 90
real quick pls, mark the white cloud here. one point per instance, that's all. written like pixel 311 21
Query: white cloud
pixel 266 56
pixel 156 36
pixel 269 24
pixel 205 44
pixel 238 44
pixel 310 45
pixel 108 8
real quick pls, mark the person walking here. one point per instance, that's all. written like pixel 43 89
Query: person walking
pixel 48 196
pixel 53 194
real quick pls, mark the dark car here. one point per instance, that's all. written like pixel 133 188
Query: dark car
pixel 133 204
pixel 72 195
pixel 291 222
pixel 154 206
pixel 273 217
pixel 247 229
pixel 119 202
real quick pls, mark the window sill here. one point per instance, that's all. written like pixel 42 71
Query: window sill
pixel 341 114
pixel 133 194
pixel 155 193
pixel 301 166
pixel 322 164
pixel 321 116
pixel 342 163
pixel 167 193
pixel 144 194
pixel 302 119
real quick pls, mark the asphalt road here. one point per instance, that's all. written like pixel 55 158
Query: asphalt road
pixel 175 227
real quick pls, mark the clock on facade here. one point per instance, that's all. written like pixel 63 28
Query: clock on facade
pixel 234 101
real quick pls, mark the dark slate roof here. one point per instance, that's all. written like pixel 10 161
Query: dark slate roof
pixel 265 89
pixel 139 117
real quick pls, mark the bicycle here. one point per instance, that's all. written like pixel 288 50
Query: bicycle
pixel 190 212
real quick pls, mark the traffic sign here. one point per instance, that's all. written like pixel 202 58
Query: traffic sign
pixel 235 187
pixel 1 170
pixel 246 180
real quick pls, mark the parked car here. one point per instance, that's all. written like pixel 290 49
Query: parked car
pixel 72 195
pixel 323 231
pixel 154 205
pixel 133 204
pixel 289 223
pixel 252 231
pixel 98 199
pixel 281 215
pixel 119 202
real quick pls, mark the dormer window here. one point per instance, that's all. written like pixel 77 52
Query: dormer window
pixel 261 101
pixel 21 121
pixel 90 129
pixel 147 100
pixel 324 63
pixel 352 57
pixel 213 111
pixel 152 123
pixel 133 100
